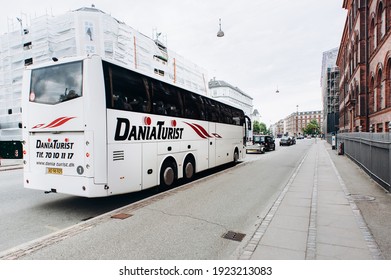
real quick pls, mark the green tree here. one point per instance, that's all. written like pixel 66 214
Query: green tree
pixel 312 128
pixel 256 127
pixel 260 128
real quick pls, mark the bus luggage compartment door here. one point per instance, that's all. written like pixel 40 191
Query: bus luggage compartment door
pixel 124 168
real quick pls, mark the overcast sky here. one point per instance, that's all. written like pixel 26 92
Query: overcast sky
pixel 267 43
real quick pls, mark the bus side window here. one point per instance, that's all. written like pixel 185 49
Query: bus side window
pixel 201 107
pixel 237 117
pixel 194 106
pixel 166 100
pixel 212 111
pixel 228 115
pixel 125 90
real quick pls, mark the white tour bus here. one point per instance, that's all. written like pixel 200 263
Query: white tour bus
pixel 92 128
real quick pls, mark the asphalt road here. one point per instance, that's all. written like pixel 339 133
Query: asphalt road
pixel 187 222
pixel 29 214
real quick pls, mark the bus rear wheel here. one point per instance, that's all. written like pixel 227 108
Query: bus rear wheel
pixel 189 169
pixel 167 174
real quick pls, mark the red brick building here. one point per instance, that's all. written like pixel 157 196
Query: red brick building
pixel 364 60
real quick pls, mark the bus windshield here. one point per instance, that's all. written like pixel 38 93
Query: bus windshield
pixel 55 84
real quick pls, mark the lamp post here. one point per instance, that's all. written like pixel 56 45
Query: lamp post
pixel 220 33
pixel 297 120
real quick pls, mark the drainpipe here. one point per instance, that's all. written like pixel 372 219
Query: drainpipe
pixel 366 67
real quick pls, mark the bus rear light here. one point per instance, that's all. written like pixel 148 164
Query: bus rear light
pixel 24 152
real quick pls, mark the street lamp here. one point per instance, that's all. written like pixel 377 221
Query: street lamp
pixel 297 120
pixel 220 33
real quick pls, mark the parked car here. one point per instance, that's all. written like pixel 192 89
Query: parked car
pixel 255 148
pixel 266 140
pixel 286 141
pixel 293 140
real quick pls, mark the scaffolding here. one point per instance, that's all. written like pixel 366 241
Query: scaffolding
pixel 76 33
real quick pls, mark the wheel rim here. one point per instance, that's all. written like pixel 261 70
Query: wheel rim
pixel 236 157
pixel 189 170
pixel 168 176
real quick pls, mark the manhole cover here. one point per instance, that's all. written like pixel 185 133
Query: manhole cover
pixel 236 236
pixel 360 197
pixel 121 216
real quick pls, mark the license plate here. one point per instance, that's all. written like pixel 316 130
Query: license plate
pixel 57 171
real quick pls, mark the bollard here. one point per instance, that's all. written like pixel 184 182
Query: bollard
pixel 341 149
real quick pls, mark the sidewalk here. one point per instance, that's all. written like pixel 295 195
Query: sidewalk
pixel 315 217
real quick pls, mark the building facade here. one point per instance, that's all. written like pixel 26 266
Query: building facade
pixel 295 123
pixel 226 93
pixel 278 128
pixel 364 60
pixel 330 91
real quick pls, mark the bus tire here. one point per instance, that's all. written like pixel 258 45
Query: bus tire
pixel 189 168
pixel 168 174
pixel 236 156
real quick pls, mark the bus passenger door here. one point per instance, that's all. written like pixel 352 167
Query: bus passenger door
pixel 212 145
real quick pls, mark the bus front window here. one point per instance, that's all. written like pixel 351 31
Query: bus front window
pixel 55 84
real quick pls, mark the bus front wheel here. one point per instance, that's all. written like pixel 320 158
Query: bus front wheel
pixel 236 156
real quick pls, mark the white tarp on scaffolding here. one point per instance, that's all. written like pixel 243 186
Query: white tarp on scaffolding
pixel 77 33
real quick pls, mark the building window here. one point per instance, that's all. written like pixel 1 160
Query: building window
pixel 27 46
pixel 379 92
pixel 372 37
pixel 379 127
pixel 371 96
pixel 28 61
pixel 381 22
pixel 388 84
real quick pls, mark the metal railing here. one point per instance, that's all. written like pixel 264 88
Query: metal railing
pixel 371 151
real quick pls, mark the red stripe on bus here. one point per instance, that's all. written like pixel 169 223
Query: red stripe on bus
pixel 196 130
pixel 202 130
pixel 59 123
